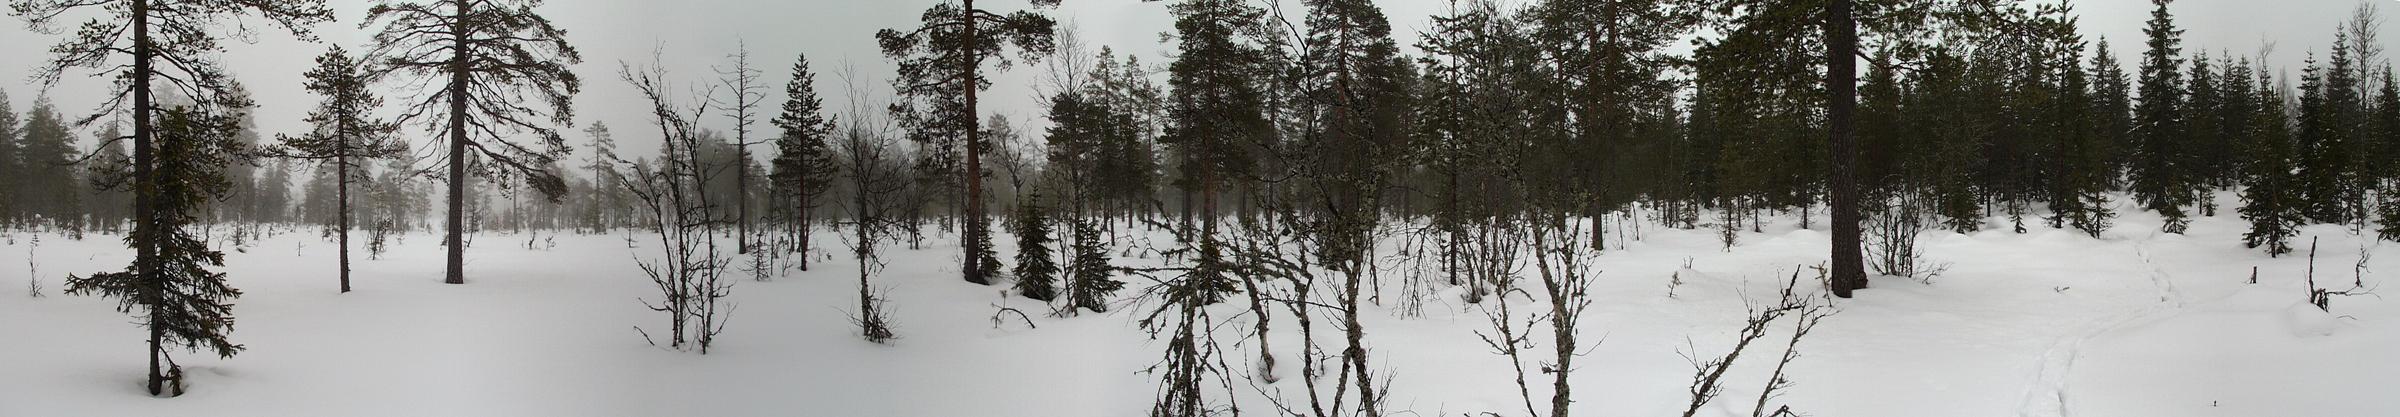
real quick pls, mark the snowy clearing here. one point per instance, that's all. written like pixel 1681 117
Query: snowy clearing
pixel 2047 323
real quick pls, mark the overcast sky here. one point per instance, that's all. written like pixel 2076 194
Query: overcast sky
pixel 697 34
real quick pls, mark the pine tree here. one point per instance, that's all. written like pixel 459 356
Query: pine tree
pixel 1037 272
pixel 2269 199
pixel 941 70
pixel 2159 179
pixel 1216 111
pixel 500 70
pixel 346 134
pixel 804 160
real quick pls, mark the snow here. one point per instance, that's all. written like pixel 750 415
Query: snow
pixel 2046 323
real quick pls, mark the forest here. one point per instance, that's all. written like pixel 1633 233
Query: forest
pixel 1537 208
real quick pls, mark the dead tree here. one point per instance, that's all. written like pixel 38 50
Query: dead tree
pixel 691 274
pixel 1708 375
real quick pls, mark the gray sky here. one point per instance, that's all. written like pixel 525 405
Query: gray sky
pixel 697 34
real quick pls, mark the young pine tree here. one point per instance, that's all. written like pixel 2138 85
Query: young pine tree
pixel 1037 273
pixel 804 162
pixel 346 134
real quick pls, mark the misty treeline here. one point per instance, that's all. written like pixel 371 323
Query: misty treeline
pixel 1297 156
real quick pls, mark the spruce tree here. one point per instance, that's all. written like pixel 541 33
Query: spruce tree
pixel 1037 271
pixel 495 69
pixel 10 169
pixel 2385 161
pixel 2159 179
pixel 177 41
pixel 45 185
pixel 182 301
pixel 2112 104
pixel 2331 187
pixel 2204 137
pixel 1094 280
pixel 2269 199
pixel 2079 186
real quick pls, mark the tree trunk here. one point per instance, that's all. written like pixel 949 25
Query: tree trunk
pixel 341 158
pixel 145 187
pixel 974 210
pixel 1841 80
pixel 456 267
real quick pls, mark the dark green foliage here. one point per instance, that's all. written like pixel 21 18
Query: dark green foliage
pixel 1037 271
pixel 185 304
pixel 1094 280
pixel 2080 173
pixel 804 160
pixel 2317 157
pixel 941 70
pixel 346 134
pixel 2160 178
pixel 10 168
pixel 2269 199
pixel 46 187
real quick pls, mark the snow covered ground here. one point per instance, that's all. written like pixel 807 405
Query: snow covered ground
pixel 2047 323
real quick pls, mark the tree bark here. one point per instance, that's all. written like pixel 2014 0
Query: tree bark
pixel 1841 80
pixel 145 186
pixel 456 267
pixel 341 158
pixel 974 172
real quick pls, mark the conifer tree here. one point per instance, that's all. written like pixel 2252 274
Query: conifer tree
pixel 2159 179
pixel 346 134
pixel 45 185
pixel 10 169
pixel 184 304
pixel 494 69
pixel 2386 158
pixel 804 160
pixel 1094 280
pixel 2331 186
pixel 2079 186
pixel 1037 271
pixel 1216 112
pixel 2112 103
pixel 941 70
pixel 2203 106
pixel 2269 199
pixel 177 155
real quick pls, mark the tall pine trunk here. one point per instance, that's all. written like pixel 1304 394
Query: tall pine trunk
pixel 456 266
pixel 1841 80
pixel 341 169
pixel 145 187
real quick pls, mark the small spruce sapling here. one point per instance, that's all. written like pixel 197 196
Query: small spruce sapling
pixel 1037 274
